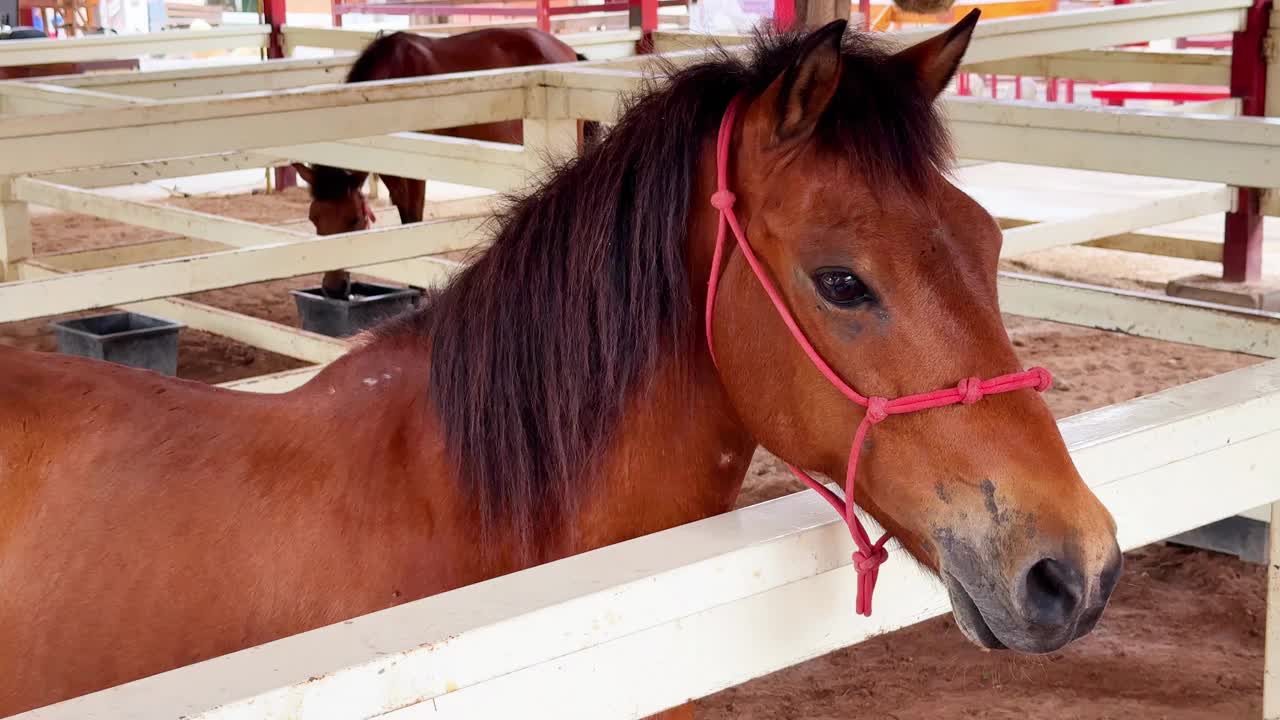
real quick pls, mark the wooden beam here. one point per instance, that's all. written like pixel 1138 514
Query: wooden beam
pixel 1040 236
pixel 33 98
pixel 484 650
pixel 1159 317
pixel 289 73
pixel 15 231
pixel 217 79
pixel 1162 245
pixel 604 44
pixel 1144 243
pixel 176 128
pixel 1009 38
pixel 175 247
pixel 1271 646
pixel 292 72
pixel 550 133
pixel 1116 66
pixel 228 231
pixel 1225 106
pixel 256 332
pixel 112 47
pixel 150 170
pixel 162 249
pixel 424 156
pixel 265 334
pixel 331 38
pixel 1233 151
pixel 167 278
pixel 424 272
pixel 497 166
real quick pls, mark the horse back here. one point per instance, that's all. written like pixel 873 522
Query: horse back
pixel 148 522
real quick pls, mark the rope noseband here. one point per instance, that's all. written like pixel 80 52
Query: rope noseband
pixel 869 556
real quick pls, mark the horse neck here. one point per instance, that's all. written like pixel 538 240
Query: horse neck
pixel 680 452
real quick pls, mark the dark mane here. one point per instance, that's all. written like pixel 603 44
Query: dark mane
pixel 379 54
pixel 375 62
pixel 537 345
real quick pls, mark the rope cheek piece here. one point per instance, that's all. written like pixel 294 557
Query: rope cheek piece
pixel 869 556
pixel 367 211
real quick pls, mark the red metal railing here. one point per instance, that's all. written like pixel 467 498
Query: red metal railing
pixel 644 12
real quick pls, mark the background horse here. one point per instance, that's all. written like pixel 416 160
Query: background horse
pixel 559 395
pixel 338 204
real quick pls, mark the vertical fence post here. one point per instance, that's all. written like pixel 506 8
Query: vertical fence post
pixel 549 133
pixel 15 231
pixel 1271 669
pixel 784 13
pixel 1270 196
pixel 544 15
pixel 274 11
pixel 642 15
pixel 1271 652
pixel 1242 234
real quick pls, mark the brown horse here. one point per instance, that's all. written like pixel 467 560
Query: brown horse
pixel 337 199
pixel 559 395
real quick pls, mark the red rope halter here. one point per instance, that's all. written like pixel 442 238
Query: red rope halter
pixel 869 556
pixel 367 210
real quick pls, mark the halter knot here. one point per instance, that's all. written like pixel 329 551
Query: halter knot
pixel 865 561
pixel 722 199
pixel 877 409
pixel 1044 380
pixel 970 390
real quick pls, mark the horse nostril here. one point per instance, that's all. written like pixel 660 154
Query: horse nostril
pixel 1053 592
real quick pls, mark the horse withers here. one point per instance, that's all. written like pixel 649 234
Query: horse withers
pixel 559 394
pixel 338 203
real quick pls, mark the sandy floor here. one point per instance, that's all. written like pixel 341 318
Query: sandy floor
pixel 1181 640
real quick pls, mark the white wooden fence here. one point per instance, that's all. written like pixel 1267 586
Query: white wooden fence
pixel 633 628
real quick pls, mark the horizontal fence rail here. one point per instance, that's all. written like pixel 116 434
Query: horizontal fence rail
pixel 117 47
pixel 525 644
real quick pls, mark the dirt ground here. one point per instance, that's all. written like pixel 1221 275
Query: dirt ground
pixel 1182 638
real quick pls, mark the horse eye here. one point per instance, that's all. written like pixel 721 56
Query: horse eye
pixel 839 286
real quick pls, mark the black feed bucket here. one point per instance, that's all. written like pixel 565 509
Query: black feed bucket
pixel 124 338
pixel 368 305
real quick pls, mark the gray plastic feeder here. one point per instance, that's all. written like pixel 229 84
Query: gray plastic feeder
pixel 368 305
pixel 123 338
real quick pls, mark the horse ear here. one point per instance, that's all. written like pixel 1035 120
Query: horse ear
pixel 802 92
pixel 304 172
pixel 936 60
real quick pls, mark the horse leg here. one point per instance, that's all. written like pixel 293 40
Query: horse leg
pixel 409 196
